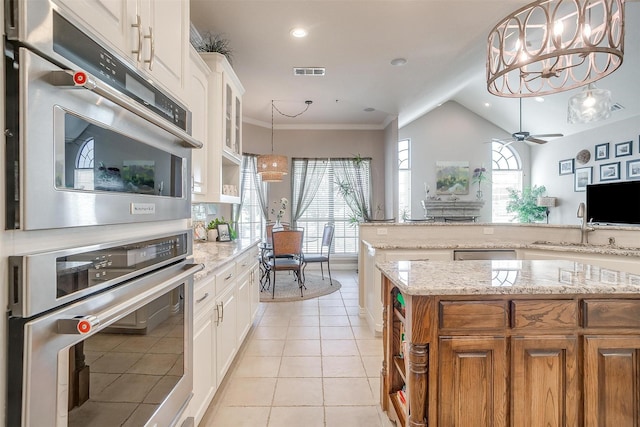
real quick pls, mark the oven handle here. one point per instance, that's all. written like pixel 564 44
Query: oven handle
pixel 68 78
pixel 85 324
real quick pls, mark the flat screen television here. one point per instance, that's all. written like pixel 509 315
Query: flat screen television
pixel 614 203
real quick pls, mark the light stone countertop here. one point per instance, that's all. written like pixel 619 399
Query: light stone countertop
pixel 216 254
pixel 507 277
pixel 547 246
pixel 493 224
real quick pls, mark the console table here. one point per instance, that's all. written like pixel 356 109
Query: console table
pixel 452 210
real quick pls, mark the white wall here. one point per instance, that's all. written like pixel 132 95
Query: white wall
pixel 318 143
pixel 453 133
pixel 545 158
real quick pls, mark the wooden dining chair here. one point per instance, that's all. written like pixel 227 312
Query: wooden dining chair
pixel 287 255
pixel 322 257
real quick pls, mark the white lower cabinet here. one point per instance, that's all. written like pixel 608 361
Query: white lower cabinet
pixel 226 335
pixel 225 304
pixel 204 342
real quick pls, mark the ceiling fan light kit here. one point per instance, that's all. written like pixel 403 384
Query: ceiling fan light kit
pixel 589 105
pixel 550 46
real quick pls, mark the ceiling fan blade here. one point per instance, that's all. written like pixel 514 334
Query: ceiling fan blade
pixel 535 140
pixel 547 135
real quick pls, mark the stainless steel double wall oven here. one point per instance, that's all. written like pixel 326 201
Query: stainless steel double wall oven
pixel 99 335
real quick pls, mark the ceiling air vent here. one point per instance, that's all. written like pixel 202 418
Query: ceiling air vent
pixel 616 107
pixel 308 71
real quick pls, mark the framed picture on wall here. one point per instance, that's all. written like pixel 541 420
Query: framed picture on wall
pixel 602 151
pixel 452 177
pixel 582 178
pixel 623 149
pixel 610 171
pixel 565 167
pixel 633 169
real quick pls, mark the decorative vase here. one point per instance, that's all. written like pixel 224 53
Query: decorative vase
pixel 479 194
pixel 277 226
pixel 212 235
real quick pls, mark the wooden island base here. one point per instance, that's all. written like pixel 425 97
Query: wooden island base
pixel 511 359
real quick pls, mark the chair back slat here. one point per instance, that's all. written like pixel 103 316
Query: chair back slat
pixel 287 242
pixel 327 235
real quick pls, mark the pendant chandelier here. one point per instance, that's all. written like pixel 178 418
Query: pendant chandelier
pixel 551 46
pixel 272 167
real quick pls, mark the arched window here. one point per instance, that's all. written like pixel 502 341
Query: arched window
pixel 506 173
pixel 85 155
pixel 84 167
pixel 404 179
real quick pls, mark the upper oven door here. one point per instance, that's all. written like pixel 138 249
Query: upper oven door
pixel 84 160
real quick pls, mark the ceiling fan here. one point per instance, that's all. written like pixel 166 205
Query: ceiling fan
pixel 525 136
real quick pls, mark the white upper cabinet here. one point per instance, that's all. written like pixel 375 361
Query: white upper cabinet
pixel 224 134
pixel 151 34
pixel 198 86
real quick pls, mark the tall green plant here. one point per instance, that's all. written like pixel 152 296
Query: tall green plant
pixel 524 204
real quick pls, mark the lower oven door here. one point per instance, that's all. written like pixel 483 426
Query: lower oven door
pixel 121 357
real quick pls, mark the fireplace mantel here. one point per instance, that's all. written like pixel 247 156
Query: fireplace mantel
pixel 452 210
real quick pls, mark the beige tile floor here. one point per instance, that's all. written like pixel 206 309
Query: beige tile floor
pixel 306 363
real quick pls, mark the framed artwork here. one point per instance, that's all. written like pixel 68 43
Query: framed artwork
pixel 565 167
pixel 223 233
pixel 610 171
pixel 623 149
pixel 633 169
pixel 602 151
pixel 582 178
pixel 452 177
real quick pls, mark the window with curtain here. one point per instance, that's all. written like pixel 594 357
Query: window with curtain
pixel 506 173
pixel 404 179
pixel 251 218
pixel 328 204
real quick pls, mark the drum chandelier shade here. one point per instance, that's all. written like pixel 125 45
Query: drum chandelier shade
pixel 272 167
pixel 589 105
pixel 551 46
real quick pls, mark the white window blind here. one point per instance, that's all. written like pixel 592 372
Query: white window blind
pixel 251 221
pixel 329 206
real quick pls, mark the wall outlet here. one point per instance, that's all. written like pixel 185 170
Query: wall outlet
pixel 487 230
pixel 381 231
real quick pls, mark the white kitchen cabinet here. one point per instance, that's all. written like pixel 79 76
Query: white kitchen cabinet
pixel 198 88
pixel 152 34
pixel 224 138
pixel 246 291
pixel 255 289
pixel 204 344
pixel 226 332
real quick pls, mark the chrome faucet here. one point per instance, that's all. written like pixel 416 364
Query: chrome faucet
pixel 585 228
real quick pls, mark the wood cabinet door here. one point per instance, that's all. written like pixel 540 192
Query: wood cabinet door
pixel 472 382
pixel 611 381
pixel 545 386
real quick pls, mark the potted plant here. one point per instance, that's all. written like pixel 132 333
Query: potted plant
pixel 215 43
pixel 212 229
pixel 524 204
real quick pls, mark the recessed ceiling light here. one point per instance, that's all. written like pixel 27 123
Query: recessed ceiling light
pixel 486 104
pixel 299 32
pixel 398 62
pixel 369 109
pixel 539 99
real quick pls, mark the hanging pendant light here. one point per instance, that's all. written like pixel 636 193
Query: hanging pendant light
pixel 272 167
pixel 589 105
pixel 551 46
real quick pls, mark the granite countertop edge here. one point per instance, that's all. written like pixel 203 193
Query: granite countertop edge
pixel 214 255
pixel 548 246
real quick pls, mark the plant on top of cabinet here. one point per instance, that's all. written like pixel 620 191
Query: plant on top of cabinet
pixel 216 43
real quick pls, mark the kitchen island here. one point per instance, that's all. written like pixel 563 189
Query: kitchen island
pixel 510 343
